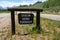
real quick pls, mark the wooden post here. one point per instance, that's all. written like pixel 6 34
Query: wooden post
pixel 13 22
pixel 38 21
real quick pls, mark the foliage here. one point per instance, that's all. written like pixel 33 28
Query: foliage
pixel 51 3
pixel 48 4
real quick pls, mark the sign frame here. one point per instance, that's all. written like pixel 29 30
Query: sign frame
pixel 37 10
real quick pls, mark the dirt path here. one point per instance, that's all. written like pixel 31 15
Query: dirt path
pixel 4 20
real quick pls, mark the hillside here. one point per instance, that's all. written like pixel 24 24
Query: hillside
pixel 36 5
pixel 49 4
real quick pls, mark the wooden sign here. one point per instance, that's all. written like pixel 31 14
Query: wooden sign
pixel 37 10
pixel 25 18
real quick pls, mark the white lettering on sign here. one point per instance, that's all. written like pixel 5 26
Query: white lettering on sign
pixel 25 21
pixel 25 15
pixel 25 18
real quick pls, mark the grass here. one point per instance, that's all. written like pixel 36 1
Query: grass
pixel 49 29
pixel 4 11
pixel 51 12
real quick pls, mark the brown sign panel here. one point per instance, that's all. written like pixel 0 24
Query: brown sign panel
pixel 25 18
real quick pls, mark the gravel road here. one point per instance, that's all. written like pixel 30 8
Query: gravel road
pixel 4 18
pixel 51 16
